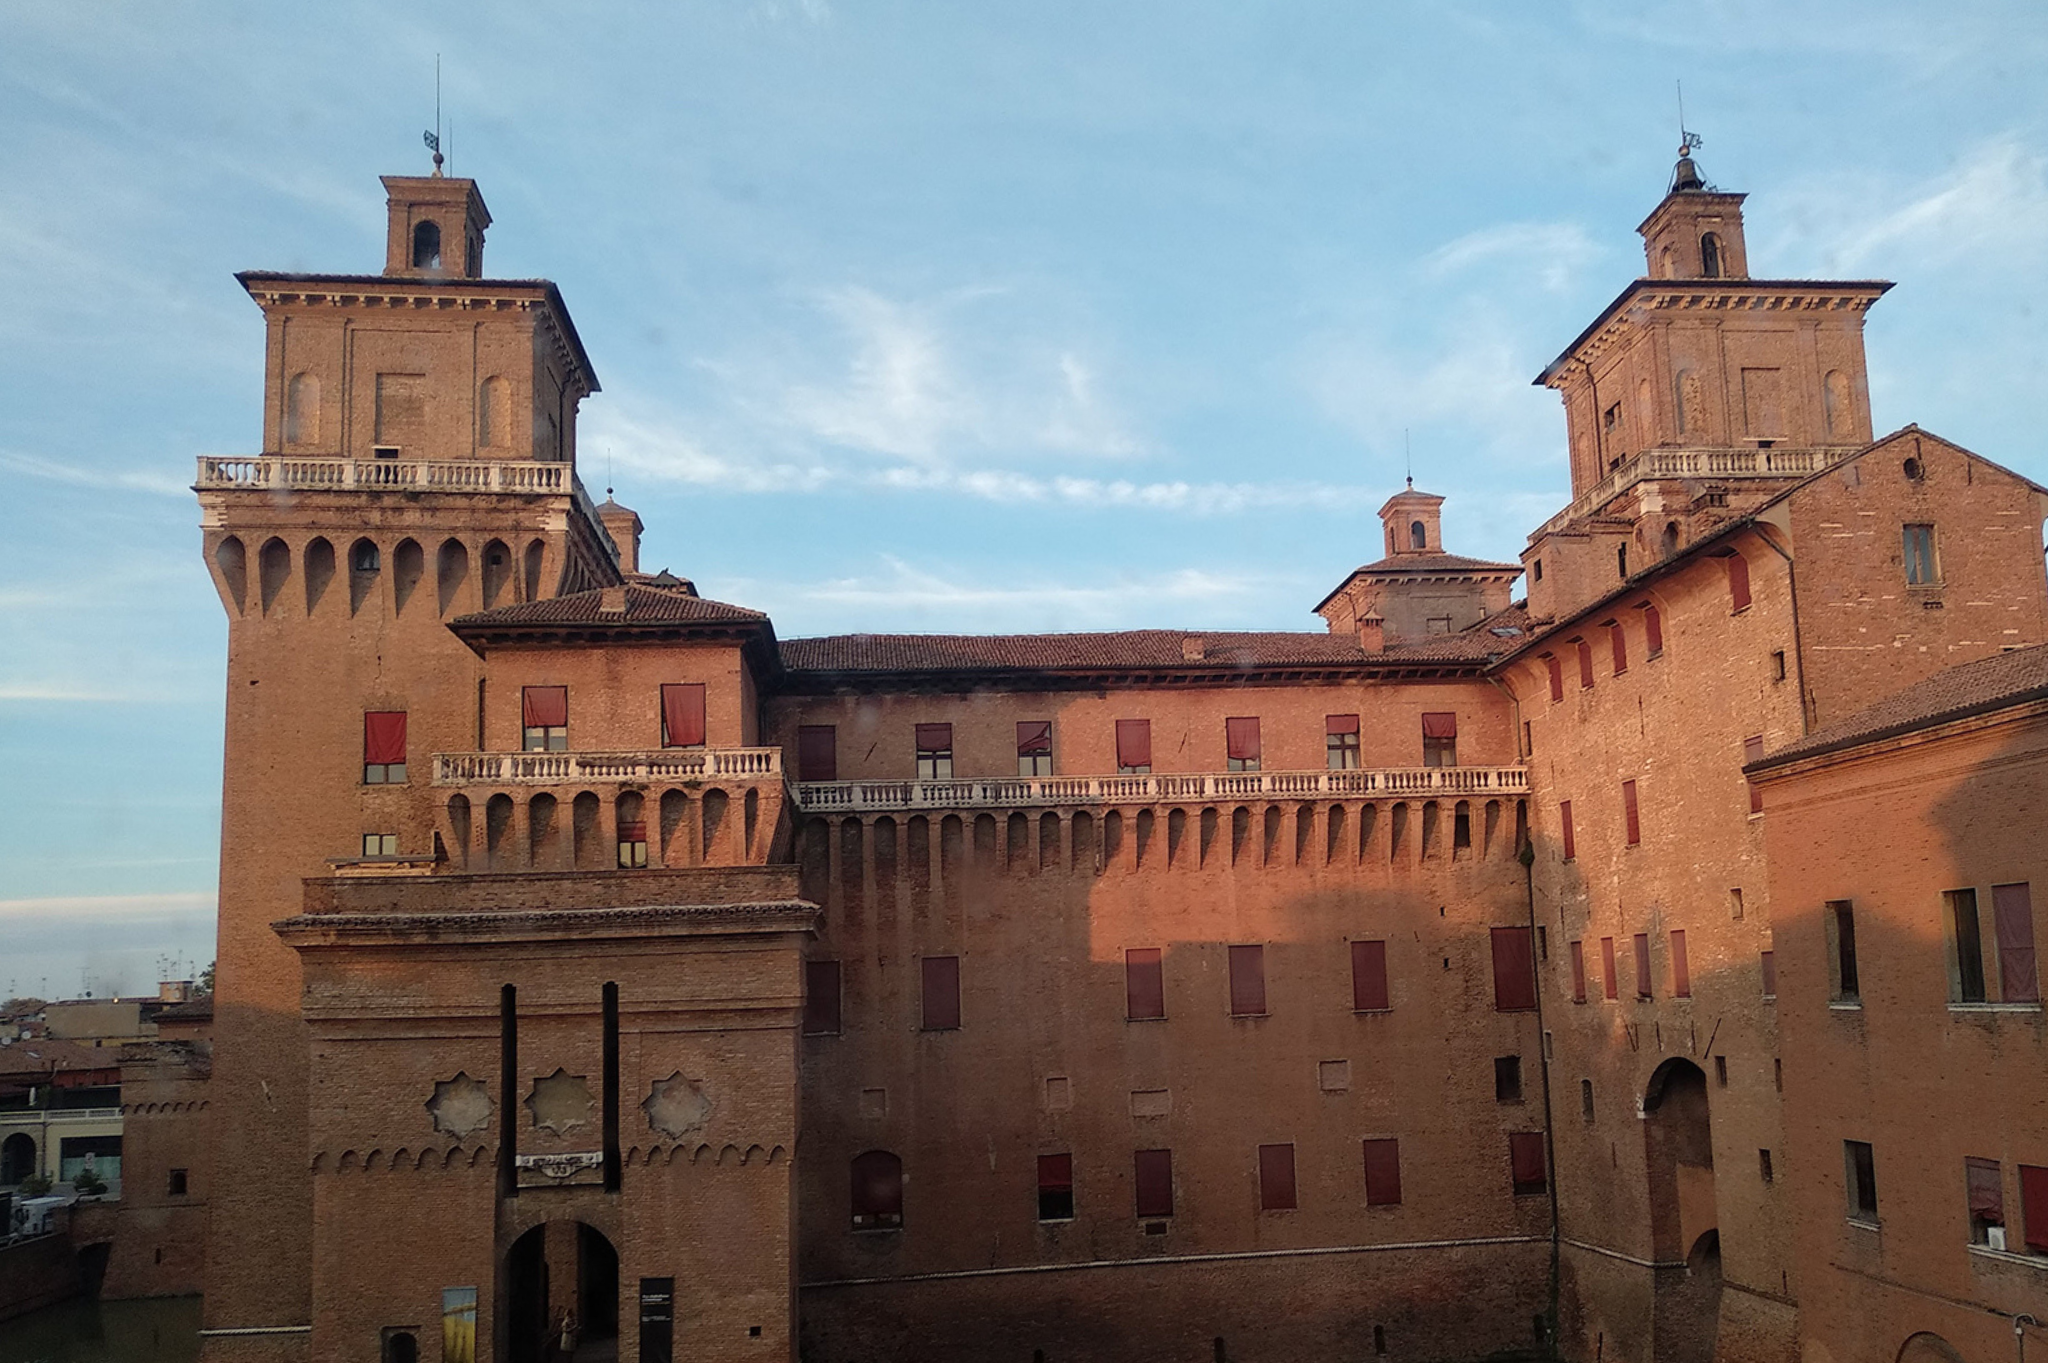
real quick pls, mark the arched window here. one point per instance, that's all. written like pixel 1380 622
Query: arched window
pixel 426 246
pixel 1710 256
pixel 1418 535
pixel 401 1346
pixel 877 1191
pixel 17 1159
pixel 302 410
pixel 364 558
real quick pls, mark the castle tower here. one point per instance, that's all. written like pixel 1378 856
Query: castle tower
pixel 1417 590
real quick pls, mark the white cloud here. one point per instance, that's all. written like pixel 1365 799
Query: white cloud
pixel 110 908
pixel 56 471
pixel 1553 252
pixel 1992 204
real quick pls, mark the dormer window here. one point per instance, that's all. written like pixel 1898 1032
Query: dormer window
pixel 1710 256
pixel 1418 535
pixel 426 246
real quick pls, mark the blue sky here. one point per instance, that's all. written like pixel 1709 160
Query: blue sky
pixel 924 316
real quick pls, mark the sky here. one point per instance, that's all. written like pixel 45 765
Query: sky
pixel 976 318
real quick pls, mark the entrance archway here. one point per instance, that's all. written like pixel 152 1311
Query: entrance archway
pixel 1678 1149
pixel 562 1274
pixel 17 1158
pixel 1929 1348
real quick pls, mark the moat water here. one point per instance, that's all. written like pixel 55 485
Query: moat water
pixel 82 1330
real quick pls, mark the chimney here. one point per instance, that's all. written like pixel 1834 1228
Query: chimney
pixel 1194 648
pixel 624 527
pixel 1372 632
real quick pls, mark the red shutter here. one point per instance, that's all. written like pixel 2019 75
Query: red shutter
pixel 1769 961
pixel 1653 631
pixel 1144 984
pixel 1514 970
pixel 1555 667
pixel 941 993
pixel 1034 738
pixel 1440 725
pixel 1369 977
pixel 1681 969
pixel 1985 1185
pixel 2034 1206
pixel 1618 637
pixel 1564 812
pixel 545 707
pixel 1154 1169
pixel 1340 724
pixel 1055 1173
pixel 1578 972
pixel 1629 813
pixel 383 737
pixel 1242 737
pixel 934 738
pixel 1247 981
pixel 682 715
pixel 821 998
pixel 2012 909
pixel 1276 1178
pixel 1753 751
pixel 1609 985
pixel 1585 662
pixel 1643 989
pixel 1134 743
pixel 1525 1156
pixel 817 753
pixel 1383 1172
pixel 633 832
pixel 1738 582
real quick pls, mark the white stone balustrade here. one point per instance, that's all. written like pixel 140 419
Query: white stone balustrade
pixel 284 473
pixel 1038 791
pixel 570 768
pixel 1714 463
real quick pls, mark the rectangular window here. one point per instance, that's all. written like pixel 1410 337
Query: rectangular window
pixel 1617 639
pixel 1778 664
pixel 2034 1208
pixel 1369 978
pixel 1586 1100
pixel 180 1182
pixel 2012 912
pixel 1769 962
pixel 682 715
pixel 1528 1167
pixel 1055 1187
pixel 1247 981
pixel 1276 1178
pixel 1154 1170
pixel 1034 747
pixel 1383 1172
pixel 380 844
pixel 817 753
pixel 1609 985
pixel 941 993
pixel 1859 1167
pixel 1653 631
pixel 1340 741
pixel 544 718
pixel 1134 747
pixel 1630 816
pixel 1738 582
pixel 1144 984
pixel 1763 1165
pixel 934 752
pixel 1578 972
pixel 384 747
pixel 1841 930
pixel 1642 965
pixel 1919 547
pixel 1507 1079
pixel 1966 948
pixel 1681 969
pixel 1984 1184
pixel 1564 816
pixel 1514 970
pixel 632 845
pixel 1753 751
pixel 1440 740
pixel 1241 737
pixel 1555 668
pixel 821 998
pixel 1585 651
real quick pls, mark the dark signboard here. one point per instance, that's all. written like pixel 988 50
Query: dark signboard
pixel 657 1320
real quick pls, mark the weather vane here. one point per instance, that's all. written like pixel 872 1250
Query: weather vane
pixel 1688 142
pixel 433 139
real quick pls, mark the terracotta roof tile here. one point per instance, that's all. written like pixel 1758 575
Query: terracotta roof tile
pixel 641 603
pixel 1970 689
pixel 1394 563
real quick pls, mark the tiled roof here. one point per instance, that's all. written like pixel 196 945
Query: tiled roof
pixel 192 1010
pixel 638 603
pixel 48 1055
pixel 1970 689
pixel 1396 563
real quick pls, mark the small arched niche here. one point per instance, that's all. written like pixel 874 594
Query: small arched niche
pixel 302 411
pixel 408 566
pixel 1418 535
pixel 273 569
pixel 365 562
pixel 319 570
pixel 497 573
pixel 451 568
pixel 233 561
pixel 536 558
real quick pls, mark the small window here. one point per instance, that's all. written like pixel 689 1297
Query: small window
pixel 1134 747
pixel 1241 738
pixel 1369 977
pixel 682 715
pixel 1763 1166
pixel 1984 1185
pixel 1643 981
pixel 1055 1187
pixel 1555 668
pixel 1144 984
pixel 934 752
pixel 1919 551
pixel 1154 1177
pixel 1247 981
pixel 1738 581
pixel 1721 1070
pixel 941 996
pixel 2034 1208
pixel 1617 643
pixel 1859 1166
pixel 2012 912
pixel 1585 652
pixel 1753 751
pixel 1586 1100
pixel 1418 535
pixel 1526 1162
pixel 545 718
pixel 384 748
pixel 1631 818
pixel 1966 948
pixel 426 246
pixel 1653 631
pixel 1437 624
pixel 1621 561
pixel 1034 747
pixel 1735 905
pixel 1564 819
pixel 1710 256
pixel 1507 1079
pixel 821 998
pixel 877 1191
pixel 632 844
pixel 1514 970
pixel 399 1346
pixel 1440 739
pixel 1844 986
pixel 1610 983
pixel 817 753
pixel 380 844
pixel 1276 1178
pixel 1537 574
pixel 1578 950
pixel 1681 969
pixel 1778 665
pixel 364 557
pixel 1768 960
pixel 180 1181
pixel 1383 1172
pixel 1340 742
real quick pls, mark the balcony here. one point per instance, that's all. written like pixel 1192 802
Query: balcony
pixel 1192 788
pixel 266 473
pixel 1704 463
pixel 570 768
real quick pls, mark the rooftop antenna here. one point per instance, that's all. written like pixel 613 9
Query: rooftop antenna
pixel 433 139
